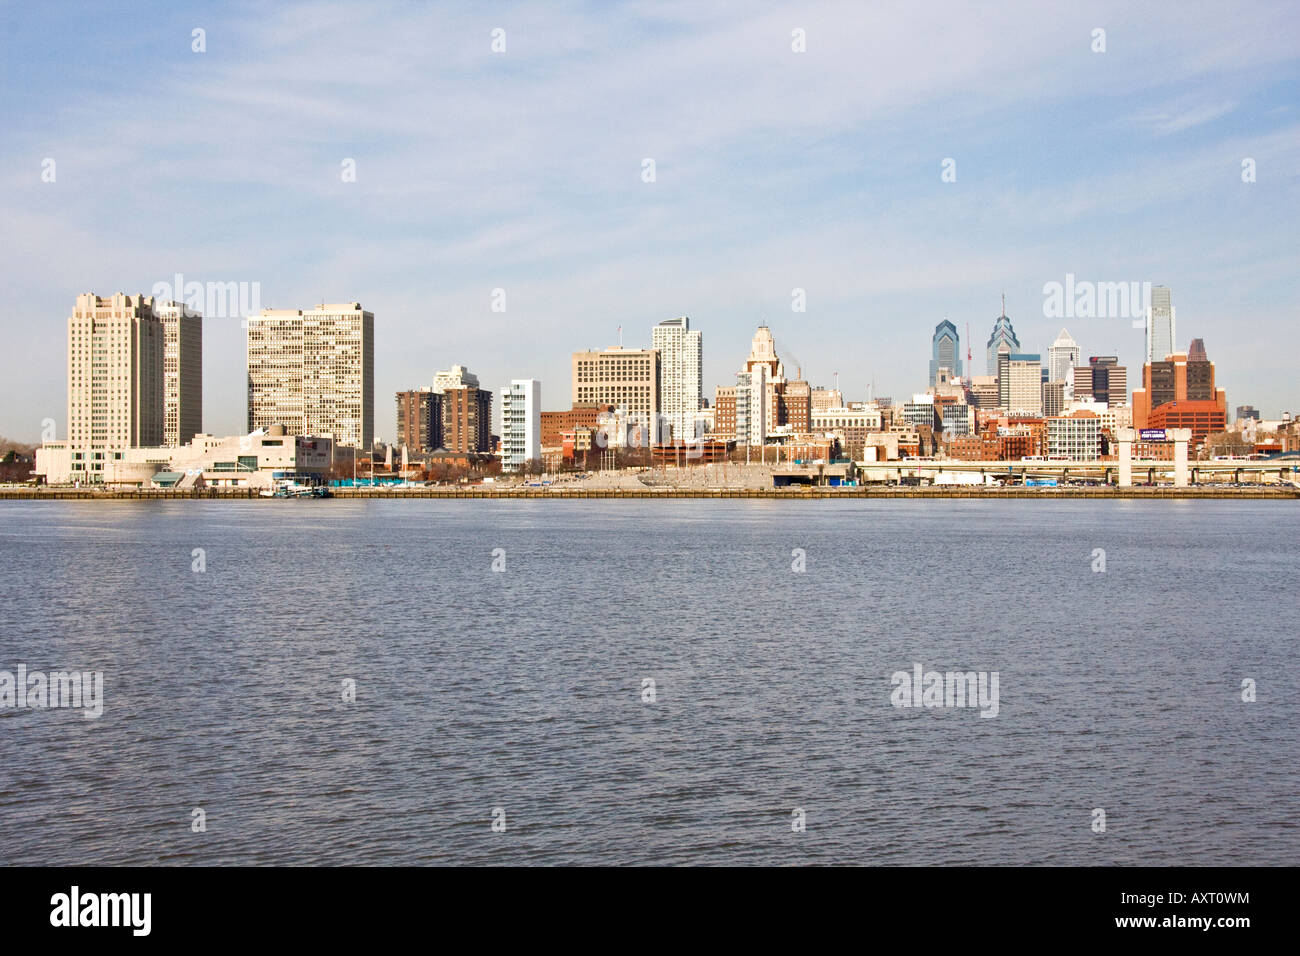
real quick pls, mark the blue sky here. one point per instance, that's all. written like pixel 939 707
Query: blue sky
pixel 775 170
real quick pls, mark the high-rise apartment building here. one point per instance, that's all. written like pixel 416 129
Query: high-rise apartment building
pixel 1003 336
pixel 1161 329
pixel 467 420
pixel 681 374
pixel 115 380
pixel 458 376
pixel 419 419
pixel 521 423
pixel 753 408
pixel 945 350
pixel 182 372
pixel 1062 356
pixel 313 371
pixel 628 379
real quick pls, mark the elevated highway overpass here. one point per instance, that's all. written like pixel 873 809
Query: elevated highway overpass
pixel 1284 468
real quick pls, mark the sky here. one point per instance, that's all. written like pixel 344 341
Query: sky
pixel 775 169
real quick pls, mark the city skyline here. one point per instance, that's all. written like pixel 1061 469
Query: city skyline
pixel 500 435
pixel 820 172
pixel 311 370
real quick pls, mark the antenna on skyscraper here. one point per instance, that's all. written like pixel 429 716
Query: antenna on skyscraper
pixel 620 336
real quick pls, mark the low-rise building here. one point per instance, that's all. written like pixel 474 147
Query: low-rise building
pixel 1077 436
pixel 254 460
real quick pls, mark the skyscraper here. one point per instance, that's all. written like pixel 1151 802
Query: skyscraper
pixel 1022 384
pixel 521 423
pixel 945 350
pixel 115 380
pixel 1062 355
pixel 313 371
pixel 762 351
pixel 182 372
pixel 1180 392
pixel 1053 398
pixel 1103 379
pixel 1003 335
pixel 681 373
pixel 1161 329
pixel 762 355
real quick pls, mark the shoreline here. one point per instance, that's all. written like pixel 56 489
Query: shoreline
pixel 776 494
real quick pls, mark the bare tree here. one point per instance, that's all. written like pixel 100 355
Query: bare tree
pixel 1226 443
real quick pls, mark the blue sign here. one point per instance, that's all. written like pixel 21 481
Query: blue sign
pixel 1152 434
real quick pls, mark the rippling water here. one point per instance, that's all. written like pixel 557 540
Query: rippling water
pixel 523 690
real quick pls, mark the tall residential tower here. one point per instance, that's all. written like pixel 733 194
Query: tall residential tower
pixel 521 423
pixel 313 371
pixel 182 372
pixel 681 374
pixel 115 380
pixel 466 411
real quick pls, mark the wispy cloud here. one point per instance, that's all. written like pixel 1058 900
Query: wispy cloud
pixel 1179 117
pixel 523 170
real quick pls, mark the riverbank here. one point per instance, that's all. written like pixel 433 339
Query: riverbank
pixel 780 494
